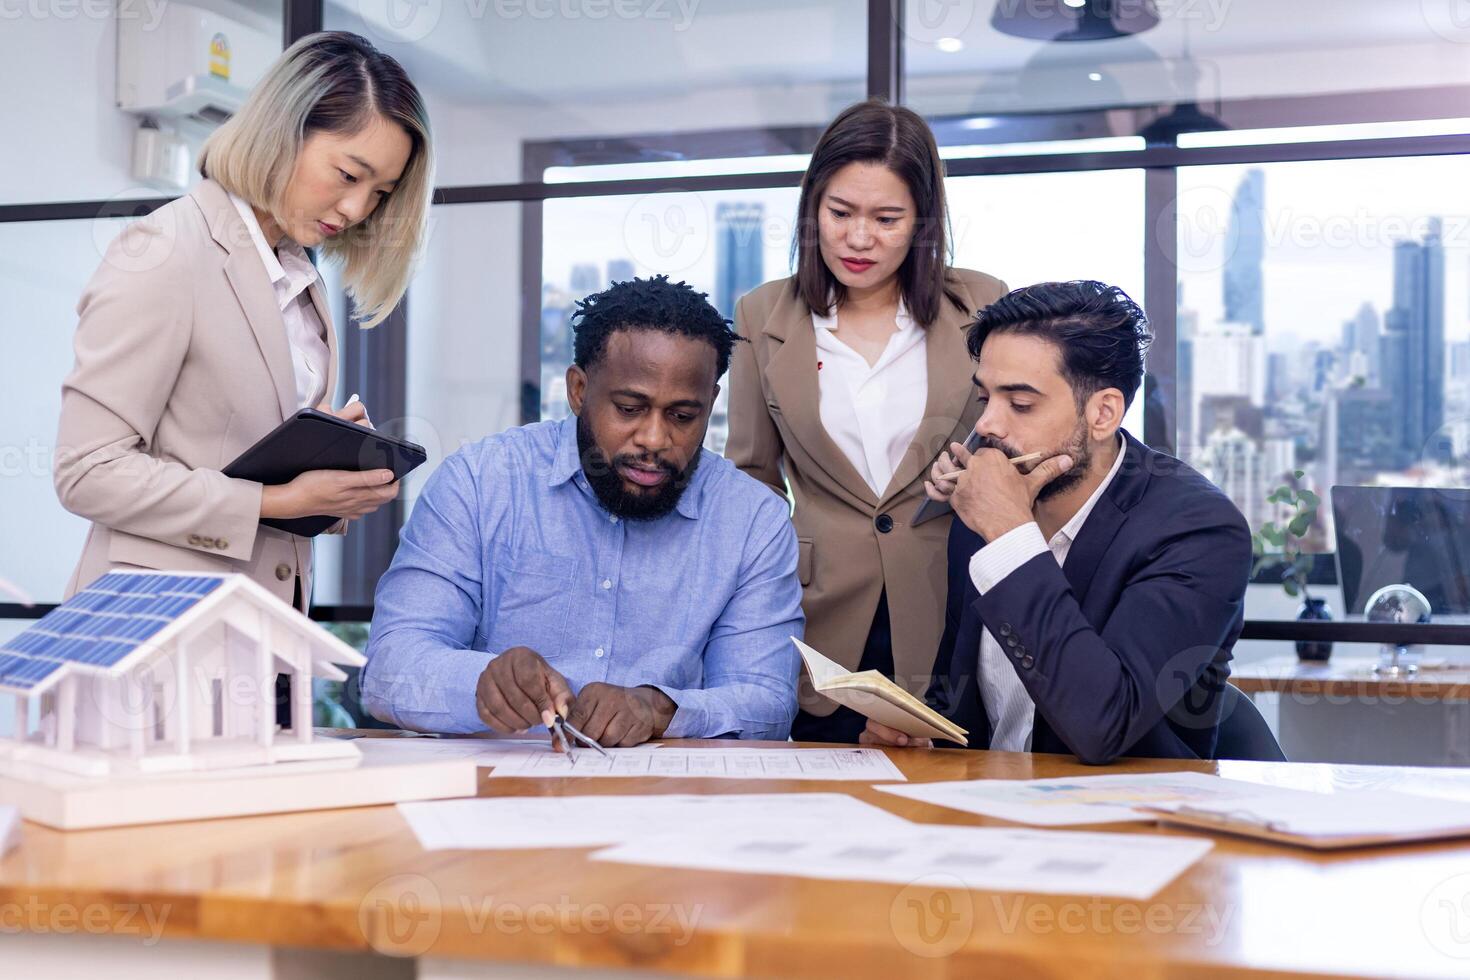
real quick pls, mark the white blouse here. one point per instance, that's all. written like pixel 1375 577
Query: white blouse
pixel 291 273
pixel 873 413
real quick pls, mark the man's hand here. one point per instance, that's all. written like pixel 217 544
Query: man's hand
pixel 878 734
pixel 612 715
pixel 992 498
pixel 945 472
pixel 519 690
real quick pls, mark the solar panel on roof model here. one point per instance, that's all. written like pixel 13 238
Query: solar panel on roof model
pixel 104 622
pixel 23 672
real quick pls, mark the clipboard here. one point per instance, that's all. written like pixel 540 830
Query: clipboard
pixel 930 509
pixel 314 440
pixel 1323 821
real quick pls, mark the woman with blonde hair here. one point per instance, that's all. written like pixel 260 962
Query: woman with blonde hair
pixel 206 325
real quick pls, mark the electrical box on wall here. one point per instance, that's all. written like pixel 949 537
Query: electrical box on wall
pixel 192 63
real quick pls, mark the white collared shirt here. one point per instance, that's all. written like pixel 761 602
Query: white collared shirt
pixel 291 274
pixel 1007 702
pixel 873 412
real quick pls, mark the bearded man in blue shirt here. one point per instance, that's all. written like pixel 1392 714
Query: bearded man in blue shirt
pixel 605 567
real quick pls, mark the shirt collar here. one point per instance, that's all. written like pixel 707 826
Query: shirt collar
pixel 567 465
pixel 828 321
pixel 289 265
pixel 1074 527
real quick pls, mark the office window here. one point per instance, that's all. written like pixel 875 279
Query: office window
pixel 1324 326
pixel 43 267
pixel 722 243
pixel 1008 59
pixel 516 86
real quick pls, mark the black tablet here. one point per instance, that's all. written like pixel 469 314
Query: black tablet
pixel 314 440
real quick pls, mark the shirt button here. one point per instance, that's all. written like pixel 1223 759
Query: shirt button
pixel 283 572
pixel 598 652
pixel 884 524
pixel 607 583
pixel 612 518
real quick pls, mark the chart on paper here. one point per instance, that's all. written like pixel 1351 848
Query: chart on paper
pixel 870 765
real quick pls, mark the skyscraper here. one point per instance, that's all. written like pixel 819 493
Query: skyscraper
pixel 1245 251
pixel 619 270
pixel 739 253
pixel 1413 347
pixel 586 280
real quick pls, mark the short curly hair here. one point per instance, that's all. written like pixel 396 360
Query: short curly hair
pixel 1101 332
pixel 649 304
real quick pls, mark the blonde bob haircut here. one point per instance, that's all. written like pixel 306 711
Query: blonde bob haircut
pixel 334 82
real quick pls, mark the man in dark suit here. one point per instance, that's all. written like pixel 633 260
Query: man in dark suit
pixel 1093 600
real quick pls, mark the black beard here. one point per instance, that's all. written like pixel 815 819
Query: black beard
pixel 602 476
pixel 1076 448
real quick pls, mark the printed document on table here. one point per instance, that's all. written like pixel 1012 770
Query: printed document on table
pixel 1050 862
pixel 1073 800
pixel 594 821
pixel 867 765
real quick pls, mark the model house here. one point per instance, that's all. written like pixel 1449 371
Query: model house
pixel 150 672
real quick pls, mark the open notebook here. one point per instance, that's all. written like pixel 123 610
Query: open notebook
pixel 871 694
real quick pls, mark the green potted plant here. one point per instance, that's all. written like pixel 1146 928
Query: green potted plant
pixel 1279 545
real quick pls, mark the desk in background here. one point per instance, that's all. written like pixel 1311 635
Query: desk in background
pixel 1340 711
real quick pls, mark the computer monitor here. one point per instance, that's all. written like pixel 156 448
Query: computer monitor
pixel 1414 535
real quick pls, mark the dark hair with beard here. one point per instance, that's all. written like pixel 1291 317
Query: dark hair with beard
pixel 1101 333
pixel 602 476
pixel 649 304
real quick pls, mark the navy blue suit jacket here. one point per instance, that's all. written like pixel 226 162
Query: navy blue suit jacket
pixel 1125 650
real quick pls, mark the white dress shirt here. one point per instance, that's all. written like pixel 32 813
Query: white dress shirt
pixel 1007 702
pixel 291 273
pixel 873 412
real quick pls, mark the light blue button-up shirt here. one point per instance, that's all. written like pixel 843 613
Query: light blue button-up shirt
pixel 508 546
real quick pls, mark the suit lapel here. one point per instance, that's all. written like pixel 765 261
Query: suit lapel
pixel 951 374
pixel 247 278
pixel 791 372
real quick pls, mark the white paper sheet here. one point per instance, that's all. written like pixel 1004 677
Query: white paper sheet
pixel 868 765
pixel 1133 866
pixel 592 821
pixel 10 828
pixel 1073 800
pixel 485 751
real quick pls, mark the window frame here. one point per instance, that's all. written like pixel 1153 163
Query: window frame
pixel 885 78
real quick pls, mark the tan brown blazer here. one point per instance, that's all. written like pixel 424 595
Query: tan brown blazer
pixel 182 363
pixel 845 560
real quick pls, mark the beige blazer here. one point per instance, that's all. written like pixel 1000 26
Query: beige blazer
pixel 182 363
pixel 845 559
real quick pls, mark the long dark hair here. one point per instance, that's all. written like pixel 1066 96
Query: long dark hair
pixel 899 139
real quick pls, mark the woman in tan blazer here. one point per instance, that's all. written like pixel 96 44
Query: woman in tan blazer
pixel 855 379
pixel 205 326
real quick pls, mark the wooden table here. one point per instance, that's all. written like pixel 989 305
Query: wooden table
pixel 345 892
pixel 1350 678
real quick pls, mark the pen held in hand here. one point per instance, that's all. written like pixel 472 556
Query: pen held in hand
pixel 1028 458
